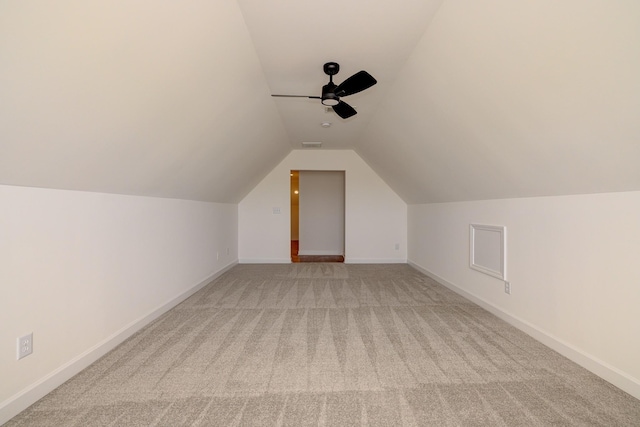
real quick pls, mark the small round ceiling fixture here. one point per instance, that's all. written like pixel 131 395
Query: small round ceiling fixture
pixel 325 124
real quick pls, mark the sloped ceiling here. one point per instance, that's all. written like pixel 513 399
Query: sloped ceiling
pixel 475 99
pixel 512 99
pixel 155 98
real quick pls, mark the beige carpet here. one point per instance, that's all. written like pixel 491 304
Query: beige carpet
pixel 331 345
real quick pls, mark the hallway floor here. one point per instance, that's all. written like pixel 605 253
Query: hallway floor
pixel 312 258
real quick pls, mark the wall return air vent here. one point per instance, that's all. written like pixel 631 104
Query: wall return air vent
pixel 311 144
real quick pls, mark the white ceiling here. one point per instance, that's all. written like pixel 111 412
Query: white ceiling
pixel 475 99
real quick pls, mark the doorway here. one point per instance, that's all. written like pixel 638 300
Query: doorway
pixel 317 216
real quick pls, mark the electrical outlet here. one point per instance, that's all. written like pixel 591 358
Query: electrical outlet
pixel 227 251
pixel 217 256
pixel 507 288
pixel 25 346
pixel 397 246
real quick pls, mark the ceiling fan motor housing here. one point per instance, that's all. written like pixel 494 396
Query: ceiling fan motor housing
pixel 329 98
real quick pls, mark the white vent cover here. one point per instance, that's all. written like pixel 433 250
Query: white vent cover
pixel 311 144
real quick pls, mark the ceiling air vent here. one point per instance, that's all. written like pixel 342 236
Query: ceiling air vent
pixel 311 144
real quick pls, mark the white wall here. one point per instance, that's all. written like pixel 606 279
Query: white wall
pixel 573 266
pixel 321 213
pixel 375 217
pixel 83 271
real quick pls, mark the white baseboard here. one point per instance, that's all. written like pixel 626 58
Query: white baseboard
pixel 265 261
pixel 600 368
pixel 375 261
pixel 346 261
pixel 27 397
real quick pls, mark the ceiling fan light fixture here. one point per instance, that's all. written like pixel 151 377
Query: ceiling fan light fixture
pixel 330 102
pixel 328 97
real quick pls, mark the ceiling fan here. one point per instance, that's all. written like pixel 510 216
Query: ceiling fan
pixel 331 92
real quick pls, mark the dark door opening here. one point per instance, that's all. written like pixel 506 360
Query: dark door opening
pixel 317 217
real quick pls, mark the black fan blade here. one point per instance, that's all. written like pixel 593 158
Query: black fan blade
pixel 297 96
pixel 344 110
pixel 356 83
